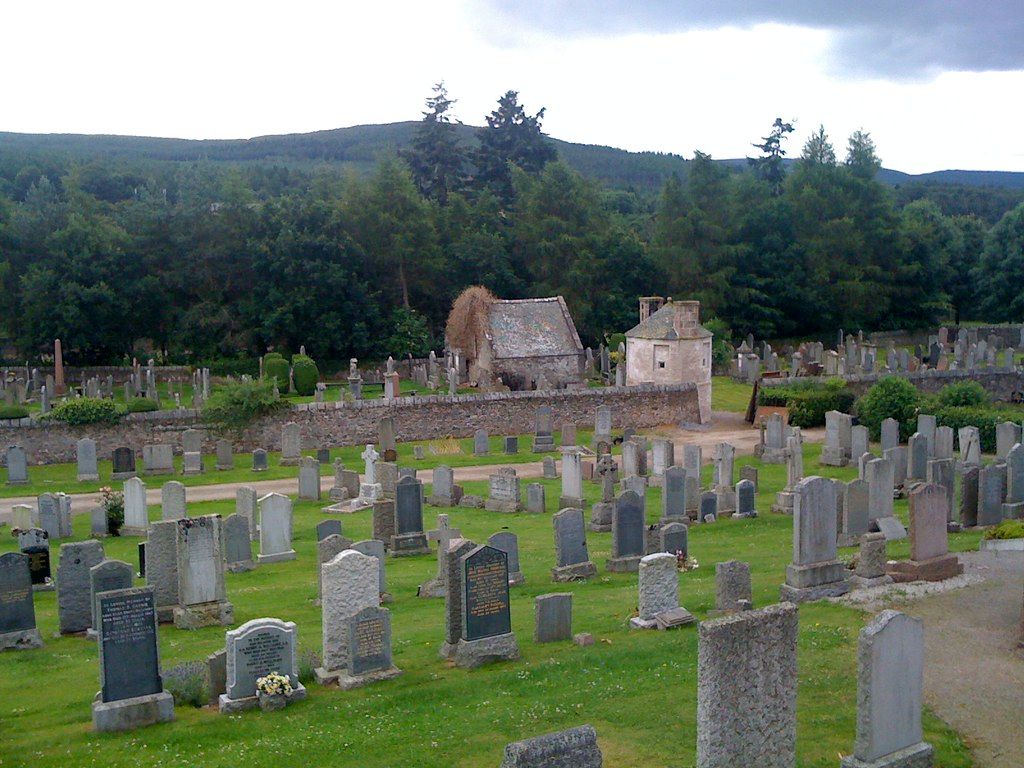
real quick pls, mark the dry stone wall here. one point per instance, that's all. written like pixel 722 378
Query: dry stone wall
pixel 340 424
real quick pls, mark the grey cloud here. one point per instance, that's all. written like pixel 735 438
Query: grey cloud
pixel 873 37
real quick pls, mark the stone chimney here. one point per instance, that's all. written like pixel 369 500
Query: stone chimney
pixel 686 318
pixel 649 305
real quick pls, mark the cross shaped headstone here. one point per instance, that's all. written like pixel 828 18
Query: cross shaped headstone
pixel 370 456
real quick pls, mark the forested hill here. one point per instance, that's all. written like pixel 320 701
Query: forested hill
pixel 360 146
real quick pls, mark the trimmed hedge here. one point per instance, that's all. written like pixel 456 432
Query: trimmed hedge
pixel 808 401
pixel 305 374
pixel 13 412
pixel 276 367
pixel 87 410
pixel 985 419
pixel 142 405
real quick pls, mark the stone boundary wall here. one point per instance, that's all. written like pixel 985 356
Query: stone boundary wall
pixel 1000 383
pixel 1009 335
pixel 341 424
pixel 121 373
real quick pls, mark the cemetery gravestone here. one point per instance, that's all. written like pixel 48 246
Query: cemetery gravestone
pixel 815 572
pixel 106 576
pixel 158 459
pixel 238 544
pixel 658 588
pixel 508 543
pixel 674 539
pixel 131 694
pixel 408 538
pixel 746 689
pixel 122 463
pixel 929 542
pixel 225 456
pixel 503 492
pixel 254 650
pixel 201 592
pixel 572 561
pixel 856 519
pixel 259 460
pixel 246 506
pixel 375 549
pixel 733 591
pixel 543 438
pixel 85 450
pixel 552 617
pixel 486 619
pixel 172 496
pixel 990 495
pixel 453 626
pixel 17 466
pixel 673 495
pixel 746 498
pixel 275 529
pixel 350 583
pixel 627 534
pixel 535 502
pixel 309 478
pixel 572 480
pixel 17 610
pixel 291 444
pixel 369 649
pixel 481 444
pixel 575 747
pixel 74 605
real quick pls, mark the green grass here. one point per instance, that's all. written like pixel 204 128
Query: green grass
pixel 637 688
pixel 729 395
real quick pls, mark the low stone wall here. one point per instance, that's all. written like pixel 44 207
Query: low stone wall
pixel 121 373
pixel 1000 383
pixel 340 424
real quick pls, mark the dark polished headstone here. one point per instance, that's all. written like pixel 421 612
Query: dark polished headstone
pixel 485 595
pixel 129 662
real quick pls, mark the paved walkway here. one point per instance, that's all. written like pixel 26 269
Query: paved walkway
pixel 726 427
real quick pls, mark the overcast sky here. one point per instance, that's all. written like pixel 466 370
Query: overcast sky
pixel 938 84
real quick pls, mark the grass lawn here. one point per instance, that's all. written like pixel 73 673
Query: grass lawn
pixel 637 688
pixel 729 395
pixel 62 477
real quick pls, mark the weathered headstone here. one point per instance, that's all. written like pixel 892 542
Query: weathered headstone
pixel 572 561
pixel 503 492
pixel 552 617
pixel 122 463
pixel 733 591
pixel 746 499
pixel 408 538
pixel 238 544
pixel 890 434
pixel 107 576
pixel 929 543
pixel 350 583
pixel 969 475
pixel 572 748
pixel 856 515
pixel 259 460
pixel 627 533
pixel 172 501
pixel 17 610
pixel 572 480
pixel 487 634
pixel 201 593
pixel 991 491
pixel 225 456
pixel 890 682
pixel 158 459
pixel 85 450
pixel 291 444
pixel 481 443
pixel 535 502
pixel 246 506
pixel 658 587
pixel 1013 506
pixel 17 466
pixel 746 689
pixel 543 436
pixel 815 572
pixel 309 478
pixel 674 539
pixel 74 597
pixel 275 529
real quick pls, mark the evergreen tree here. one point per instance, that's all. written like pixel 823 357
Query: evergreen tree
pixel 861 158
pixel 768 168
pixel 511 138
pixel 435 158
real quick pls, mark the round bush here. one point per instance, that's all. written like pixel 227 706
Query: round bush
pixel 963 394
pixel 305 374
pixel 276 367
pixel 890 398
pixel 87 410
pixel 142 404
pixel 13 412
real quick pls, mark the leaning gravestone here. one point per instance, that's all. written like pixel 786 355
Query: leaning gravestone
pixel 486 619
pixel 237 544
pixel 275 529
pixel 17 610
pixel 573 748
pixel 201 593
pixel 746 689
pixel 85 450
pixel 628 544
pixel 508 543
pixel 254 650
pixel 132 693
pixel 890 681
pixel 350 583
pixel 572 561
pixel 73 585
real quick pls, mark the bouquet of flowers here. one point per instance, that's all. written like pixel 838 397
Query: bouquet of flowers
pixel 274 683
pixel 113 504
pixel 684 563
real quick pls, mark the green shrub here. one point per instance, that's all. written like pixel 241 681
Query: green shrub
pixel 187 683
pixel 113 505
pixel 305 373
pixel 241 366
pixel 276 367
pixel 963 393
pixel 892 397
pixel 87 410
pixel 236 404
pixel 985 419
pixel 809 400
pixel 1008 529
pixel 142 405
pixel 13 412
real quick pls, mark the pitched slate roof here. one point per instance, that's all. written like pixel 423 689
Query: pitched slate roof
pixel 660 325
pixel 532 328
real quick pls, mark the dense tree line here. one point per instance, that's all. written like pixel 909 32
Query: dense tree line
pixel 209 260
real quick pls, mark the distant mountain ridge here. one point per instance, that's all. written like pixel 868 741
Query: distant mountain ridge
pixel 359 146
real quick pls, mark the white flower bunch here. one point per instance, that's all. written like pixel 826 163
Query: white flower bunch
pixel 274 683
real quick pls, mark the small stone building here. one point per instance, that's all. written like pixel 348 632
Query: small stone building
pixel 669 346
pixel 524 344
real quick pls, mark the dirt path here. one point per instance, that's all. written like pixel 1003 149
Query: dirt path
pixel 974 671
pixel 725 427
